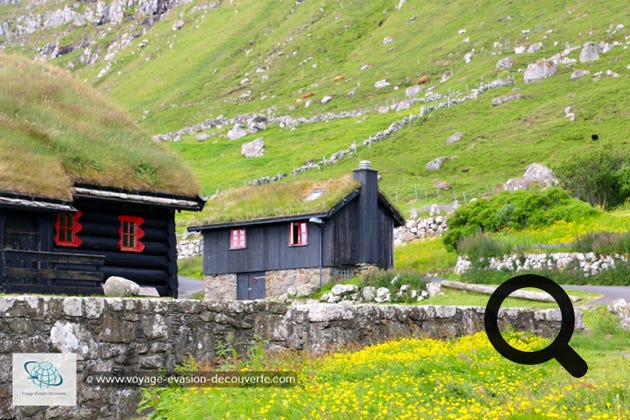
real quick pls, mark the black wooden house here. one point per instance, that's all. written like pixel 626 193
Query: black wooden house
pixel 257 258
pixel 71 248
pixel 84 193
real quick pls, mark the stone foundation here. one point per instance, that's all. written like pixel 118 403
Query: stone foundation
pixel 279 281
pixel 220 287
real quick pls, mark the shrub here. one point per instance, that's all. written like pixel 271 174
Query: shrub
pixel 482 246
pixel 513 210
pixel 601 177
pixel 604 243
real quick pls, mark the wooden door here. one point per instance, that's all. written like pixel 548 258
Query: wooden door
pixel 250 286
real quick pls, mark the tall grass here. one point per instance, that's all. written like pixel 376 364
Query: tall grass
pixel 604 243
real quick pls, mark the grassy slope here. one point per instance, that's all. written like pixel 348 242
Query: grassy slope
pixel 183 77
pixel 186 76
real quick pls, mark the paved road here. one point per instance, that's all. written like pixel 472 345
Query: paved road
pixel 609 293
pixel 188 286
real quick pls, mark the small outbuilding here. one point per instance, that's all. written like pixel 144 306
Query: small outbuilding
pixel 314 233
pixel 84 193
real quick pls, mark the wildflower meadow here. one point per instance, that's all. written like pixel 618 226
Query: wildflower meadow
pixel 424 378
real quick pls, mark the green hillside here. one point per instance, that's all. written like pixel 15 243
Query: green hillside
pixel 229 59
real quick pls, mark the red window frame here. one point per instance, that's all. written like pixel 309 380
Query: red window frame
pixel 67 227
pixel 298 234
pixel 238 238
pixel 130 234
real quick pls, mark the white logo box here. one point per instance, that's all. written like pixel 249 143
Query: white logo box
pixel 44 379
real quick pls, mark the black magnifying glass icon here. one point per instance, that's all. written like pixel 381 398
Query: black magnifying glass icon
pixel 559 349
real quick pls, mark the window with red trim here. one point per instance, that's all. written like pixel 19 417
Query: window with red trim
pixel 238 239
pixel 130 233
pixel 298 234
pixel 66 229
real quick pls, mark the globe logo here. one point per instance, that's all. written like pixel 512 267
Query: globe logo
pixel 43 374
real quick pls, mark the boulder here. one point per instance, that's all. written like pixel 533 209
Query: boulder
pixel 578 74
pixel 236 132
pixel 120 287
pixel 253 149
pixel 436 163
pixel 368 293
pixel 413 91
pixel 344 289
pixel 381 84
pixel 257 123
pixel 433 288
pixel 403 105
pixel 534 47
pixel 541 174
pixel 455 137
pixel 326 99
pixel 383 295
pixel 590 52
pixel 539 70
pixel 179 24
pixel 505 63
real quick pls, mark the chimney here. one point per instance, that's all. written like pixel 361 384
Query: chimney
pixel 367 222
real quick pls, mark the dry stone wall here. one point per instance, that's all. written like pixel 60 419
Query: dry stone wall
pixel 589 262
pixel 124 335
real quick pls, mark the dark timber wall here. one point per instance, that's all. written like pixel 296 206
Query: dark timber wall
pixel 267 249
pixel 155 266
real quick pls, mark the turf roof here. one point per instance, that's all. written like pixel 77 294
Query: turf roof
pixel 56 132
pixel 277 200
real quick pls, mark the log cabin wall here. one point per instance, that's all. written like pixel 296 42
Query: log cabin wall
pixel 155 265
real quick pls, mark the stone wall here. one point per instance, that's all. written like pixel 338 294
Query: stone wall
pixel 590 263
pixel 127 335
pixel 220 287
pixel 420 228
pixel 189 245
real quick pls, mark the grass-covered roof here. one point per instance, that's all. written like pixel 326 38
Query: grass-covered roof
pixel 277 200
pixel 56 132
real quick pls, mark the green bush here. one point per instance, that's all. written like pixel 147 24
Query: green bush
pixel 513 210
pixel 604 243
pixel 601 177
